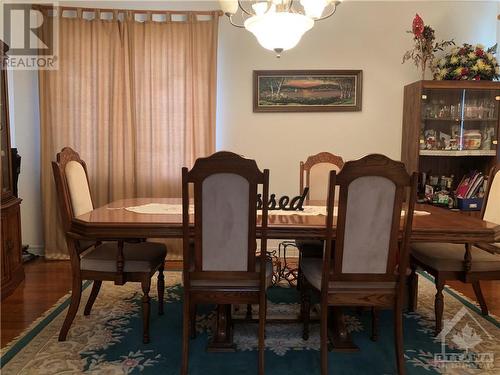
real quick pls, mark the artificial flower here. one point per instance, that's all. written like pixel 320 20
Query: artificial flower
pixel 418 26
pixel 468 62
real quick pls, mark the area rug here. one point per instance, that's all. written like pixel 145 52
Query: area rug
pixel 109 340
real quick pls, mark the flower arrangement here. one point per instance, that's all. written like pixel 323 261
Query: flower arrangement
pixel 468 62
pixel 423 51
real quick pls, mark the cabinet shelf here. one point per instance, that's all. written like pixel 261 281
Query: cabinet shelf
pixel 458 153
pixel 457 119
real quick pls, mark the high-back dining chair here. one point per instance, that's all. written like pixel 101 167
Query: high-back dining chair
pixel 315 171
pixel 92 260
pixel 468 263
pixel 363 269
pixel 220 261
pixel 314 174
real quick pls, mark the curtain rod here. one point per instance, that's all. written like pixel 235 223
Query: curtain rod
pixel 135 11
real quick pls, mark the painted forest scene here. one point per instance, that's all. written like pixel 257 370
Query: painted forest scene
pixel 307 90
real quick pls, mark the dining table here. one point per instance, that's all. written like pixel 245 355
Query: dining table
pixel 119 221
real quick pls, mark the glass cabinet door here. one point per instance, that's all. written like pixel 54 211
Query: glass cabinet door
pixel 461 122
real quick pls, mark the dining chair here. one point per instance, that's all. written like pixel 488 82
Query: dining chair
pixel 220 265
pixel 314 174
pixel 469 263
pixel 117 261
pixel 361 268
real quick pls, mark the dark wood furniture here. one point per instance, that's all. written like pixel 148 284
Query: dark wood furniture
pixel 219 257
pixel 468 263
pixel 440 226
pixel 91 259
pixel 454 110
pixel 12 272
pixel 372 192
pixel 314 174
pixel 113 221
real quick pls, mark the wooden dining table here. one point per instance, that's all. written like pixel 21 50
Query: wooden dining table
pixel 114 222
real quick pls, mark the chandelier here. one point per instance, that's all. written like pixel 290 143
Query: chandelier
pixel 278 25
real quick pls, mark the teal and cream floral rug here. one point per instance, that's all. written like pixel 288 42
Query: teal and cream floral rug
pixel 109 340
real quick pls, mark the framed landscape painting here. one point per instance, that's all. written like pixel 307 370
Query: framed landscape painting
pixel 307 90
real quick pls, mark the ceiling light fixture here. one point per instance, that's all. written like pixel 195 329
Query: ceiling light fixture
pixel 278 25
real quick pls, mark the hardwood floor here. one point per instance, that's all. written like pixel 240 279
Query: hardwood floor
pixel 47 281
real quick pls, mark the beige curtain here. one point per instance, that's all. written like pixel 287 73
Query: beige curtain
pixel 135 99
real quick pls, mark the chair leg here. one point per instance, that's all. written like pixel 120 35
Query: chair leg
pixel 185 336
pixel 96 286
pixel 146 305
pixel 324 337
pixel 248 315
pixel 192 320
pixel 76 295
pixel 262 331
pixel 439 305
pixel 305 309
pixel 161 289
pixel 413 289
pixel 398 333
pixel 480 298
pixel 375 321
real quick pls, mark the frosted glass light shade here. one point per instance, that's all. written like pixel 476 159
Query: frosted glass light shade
pixel 314 8
pixel 279 31
pixel 229 6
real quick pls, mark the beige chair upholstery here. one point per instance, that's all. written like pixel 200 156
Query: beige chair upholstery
pixel 312 268
pixel 81 201
pixel 318 180
pixel 225 223
pixel 139 257
pixel 370 206
pixel 492 210
pixel 450 257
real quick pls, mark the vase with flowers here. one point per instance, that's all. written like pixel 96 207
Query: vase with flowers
pixel 425 46
pixel 468 62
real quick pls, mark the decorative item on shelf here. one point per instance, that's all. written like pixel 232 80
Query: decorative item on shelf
pixel 307 90
pixel 423 51
pixel 470 191
pixel 472 139
pixel 278 25
pixel 468 62
pixel 284 203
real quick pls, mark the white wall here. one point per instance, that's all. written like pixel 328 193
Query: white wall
pixel 362 35
pixel 25 135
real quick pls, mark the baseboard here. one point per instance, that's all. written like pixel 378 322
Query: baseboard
pixel 37 250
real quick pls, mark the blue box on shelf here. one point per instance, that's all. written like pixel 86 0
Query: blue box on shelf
pixel 469 204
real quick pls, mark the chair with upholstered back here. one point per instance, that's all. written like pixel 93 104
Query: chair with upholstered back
pixel 315 171
pixel 363 268
pixel 314 174
pixel 92 260
pixel 220 261
pixel 468 263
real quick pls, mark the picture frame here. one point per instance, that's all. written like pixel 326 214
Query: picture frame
pixel 307 90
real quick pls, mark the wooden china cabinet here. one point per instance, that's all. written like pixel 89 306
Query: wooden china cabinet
pixel 450 129
pixel 12 272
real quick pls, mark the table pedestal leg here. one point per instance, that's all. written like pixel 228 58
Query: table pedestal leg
pixel 340 338
pixel 222 340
